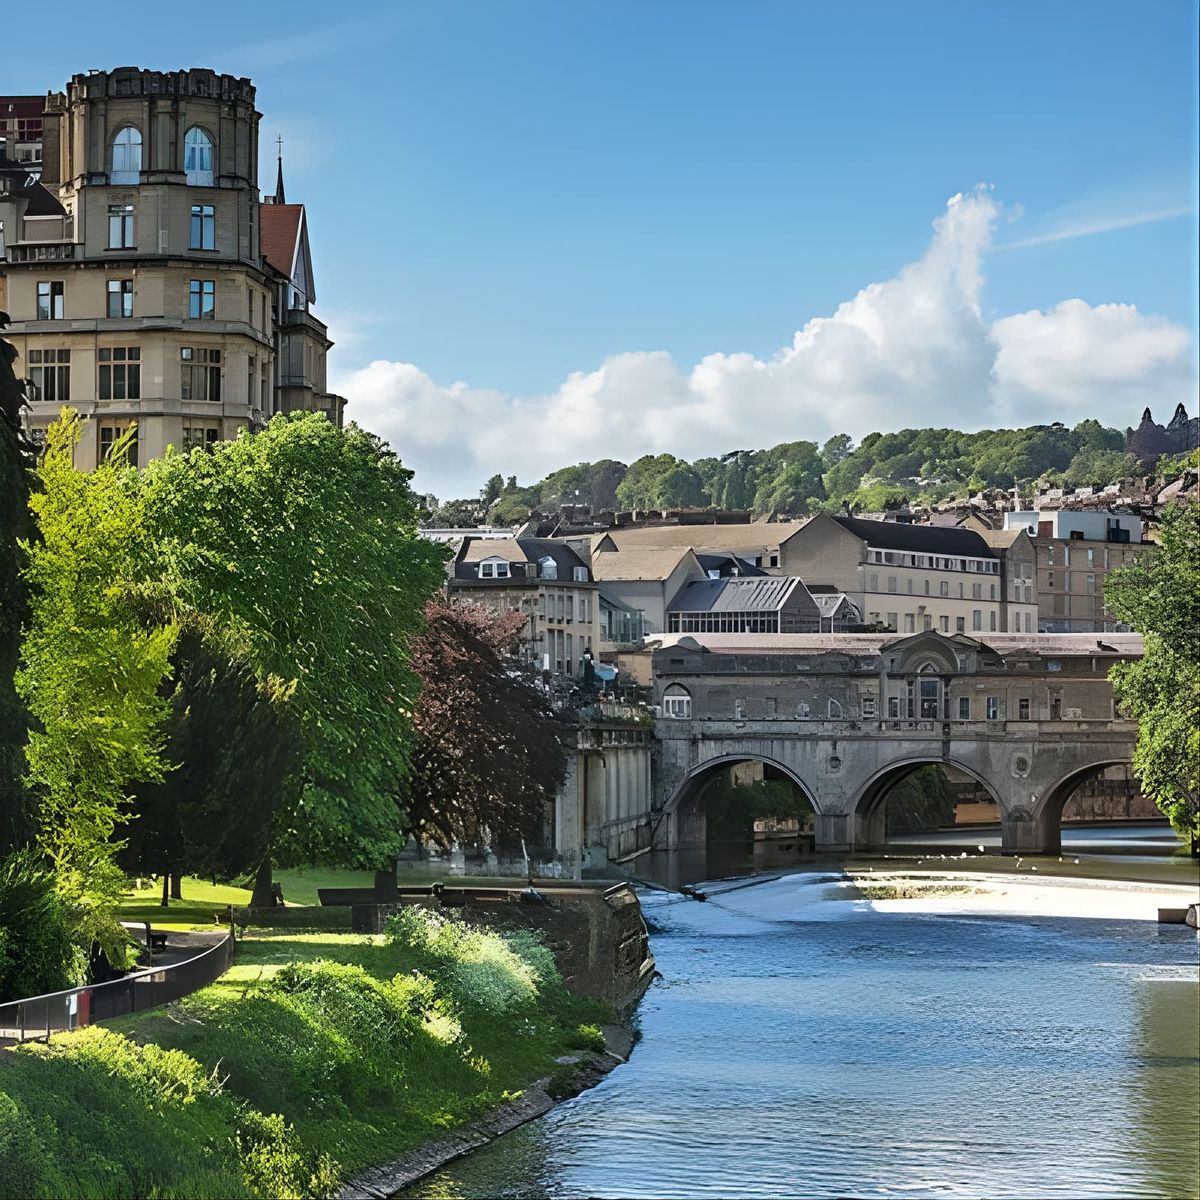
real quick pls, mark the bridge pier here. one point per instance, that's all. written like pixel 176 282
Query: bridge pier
pixel 1023 833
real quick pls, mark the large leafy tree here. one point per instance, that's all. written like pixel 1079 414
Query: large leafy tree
pixel 294 554
pixel 95 655
pixel 15 467
pixel 489 751
pixel 1160 597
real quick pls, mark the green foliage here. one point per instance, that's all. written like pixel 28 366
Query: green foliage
pixel 92 668
pixel 315 1057
pixel 1160 597
pixel 732 809
pixel 922 800
pixel 275 1164
pixel 16 817
pixel 482 969
pixel 295 553
pixel 38 948
pixel 589 1037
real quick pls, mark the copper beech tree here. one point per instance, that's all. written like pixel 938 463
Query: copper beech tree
pixel 489 751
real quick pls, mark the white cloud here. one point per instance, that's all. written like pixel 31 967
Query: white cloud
pixel 915 350
pixel 1081 229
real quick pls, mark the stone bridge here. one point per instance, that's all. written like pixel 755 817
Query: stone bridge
pixel 845 717
pixel 846 768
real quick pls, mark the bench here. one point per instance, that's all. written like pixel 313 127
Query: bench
pixel 152 939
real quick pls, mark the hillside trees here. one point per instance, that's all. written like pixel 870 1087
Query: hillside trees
pixel 1160 597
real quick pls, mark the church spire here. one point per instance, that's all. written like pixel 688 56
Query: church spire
pixel 279 199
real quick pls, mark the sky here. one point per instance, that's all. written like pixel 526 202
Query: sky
pixel 546 232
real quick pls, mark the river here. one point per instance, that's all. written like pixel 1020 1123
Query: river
pixel 803 1042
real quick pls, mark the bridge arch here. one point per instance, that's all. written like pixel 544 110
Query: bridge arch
pixel 707 771
pixel 1047 813
pixel 686 822
pixel 867 813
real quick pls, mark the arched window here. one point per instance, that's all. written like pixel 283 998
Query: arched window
pixel 930 695
pixel 198 157
pixel 549 568
pixel 126 156
pixel 677 703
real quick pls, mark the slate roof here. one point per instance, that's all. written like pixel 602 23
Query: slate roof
pixel 633 565
pixel 731 538
pixel 921 539
pixel 473 551
pixel 828 603
pixel 766 594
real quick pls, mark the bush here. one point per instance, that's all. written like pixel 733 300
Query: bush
pixel 38 951
pixel 589 1037
pixel 480 969
pixel 275 1164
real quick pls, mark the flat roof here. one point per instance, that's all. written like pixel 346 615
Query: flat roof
pixel 1057 645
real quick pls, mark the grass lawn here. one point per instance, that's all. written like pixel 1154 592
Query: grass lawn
pixel 202 899
pixel 315 1056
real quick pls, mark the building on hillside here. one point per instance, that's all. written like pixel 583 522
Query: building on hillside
pixel 134 269
pixel 837 613
pixel 912 578
pixel 768 604
pixel 21 132
pixel 761 544
pixel 453 537
pixel 1074 551
pixel 645 580
pixel 544 580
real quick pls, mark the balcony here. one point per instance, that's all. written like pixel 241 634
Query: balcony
pixel 36 252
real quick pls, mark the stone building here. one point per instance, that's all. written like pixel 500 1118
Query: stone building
pixel 913 578
pixel 544 580
pixel 1075 551
pixel 134 271
pixel 1150 441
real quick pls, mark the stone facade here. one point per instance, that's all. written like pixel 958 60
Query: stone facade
pixel 846 716
pixel 136 279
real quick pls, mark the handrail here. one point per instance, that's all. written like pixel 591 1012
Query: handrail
pixel 154 977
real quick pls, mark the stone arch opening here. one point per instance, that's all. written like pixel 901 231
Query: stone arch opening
pixel 917 798
pixel 1048 814
pixel 738 811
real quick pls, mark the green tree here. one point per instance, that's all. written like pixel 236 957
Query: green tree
pixel 295 554
pixel 16 461
pixel 681 487
pixel 642 485
pixel 95 655
pixel 1160 597
pixel 795 479
pixel 492 489
pixel 455 514
pixel 837 449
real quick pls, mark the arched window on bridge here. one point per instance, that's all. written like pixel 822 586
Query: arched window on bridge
pixel 677 703
pixel 929 693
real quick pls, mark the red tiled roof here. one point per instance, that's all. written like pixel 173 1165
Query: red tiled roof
pixel 279 227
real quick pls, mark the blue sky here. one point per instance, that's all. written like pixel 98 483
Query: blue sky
pixel 507 194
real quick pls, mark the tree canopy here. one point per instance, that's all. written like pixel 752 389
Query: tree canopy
pixel 1160 597
pixel 795 478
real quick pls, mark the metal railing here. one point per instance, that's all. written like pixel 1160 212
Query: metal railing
pixel 40 1016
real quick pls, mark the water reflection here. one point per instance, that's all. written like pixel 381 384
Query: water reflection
pixel 807 1046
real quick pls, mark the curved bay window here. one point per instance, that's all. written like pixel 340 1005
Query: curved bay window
pixel 126 156
pixel 929 693
pixel 198 157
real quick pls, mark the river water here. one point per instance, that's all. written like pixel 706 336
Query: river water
pixel 803 1043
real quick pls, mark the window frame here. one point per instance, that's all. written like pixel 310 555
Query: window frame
pixel 205 147
pixel 202 229
pixel 130 172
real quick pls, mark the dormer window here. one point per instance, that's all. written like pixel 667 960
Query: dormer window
pixel 198 157
pixel 579 574
pixel 126 156
pixel 549 568
pixel 493 568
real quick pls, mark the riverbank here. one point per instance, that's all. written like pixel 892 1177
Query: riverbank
pixel 317 1056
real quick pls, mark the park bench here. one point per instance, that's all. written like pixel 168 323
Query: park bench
pixel 152 939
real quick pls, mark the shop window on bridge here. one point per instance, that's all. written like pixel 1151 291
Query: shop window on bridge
pixel 1022 710
pixel 677 703
pixel 835 709
pixel 868 707
pixel 964 708
pixel 993 708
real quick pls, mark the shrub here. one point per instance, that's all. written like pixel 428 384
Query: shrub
pixel 275 1164
pixel 38 951
pixel 589 1037
pixel 479 968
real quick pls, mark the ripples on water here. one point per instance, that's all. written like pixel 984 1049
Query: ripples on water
pixel 807 1046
